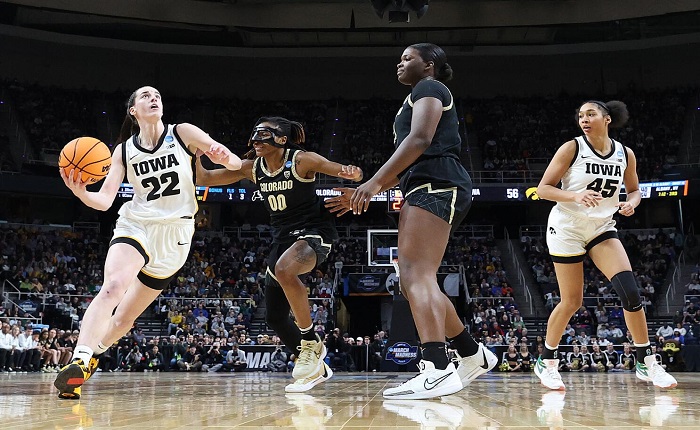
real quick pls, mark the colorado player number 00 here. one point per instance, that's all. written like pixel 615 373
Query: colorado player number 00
pixel 277 203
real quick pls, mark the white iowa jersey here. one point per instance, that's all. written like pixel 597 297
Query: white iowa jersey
pixel 163 178
pixel 592 171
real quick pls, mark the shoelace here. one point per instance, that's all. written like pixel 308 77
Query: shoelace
pixel 305 358
pixel 655 370
pixel 552 373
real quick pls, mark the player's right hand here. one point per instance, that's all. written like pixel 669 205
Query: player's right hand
pixel 588 198
pixel 73 181
pixel 341 203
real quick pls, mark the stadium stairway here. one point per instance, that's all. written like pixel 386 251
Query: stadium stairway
pixel 151 323
pixel 673 304
pixel 518 291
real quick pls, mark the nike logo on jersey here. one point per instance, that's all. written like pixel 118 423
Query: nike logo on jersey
pixel 586 156
pixel 429 385
pixel 133 156
pixel 181 243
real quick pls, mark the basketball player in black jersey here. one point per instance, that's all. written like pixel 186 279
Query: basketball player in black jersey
pixel 302 232
pixel 437 192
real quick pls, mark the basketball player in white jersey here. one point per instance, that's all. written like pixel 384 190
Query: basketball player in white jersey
pixel 591 169
pixel 152 237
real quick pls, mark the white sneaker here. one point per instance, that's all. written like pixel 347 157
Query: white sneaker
pixel 429 383
pixel 656 374
pixel 429 414
pixel 305 384
pixel 311 355
pixel 548 372
pixel 469 368
pixel 549 414
pixel 655 415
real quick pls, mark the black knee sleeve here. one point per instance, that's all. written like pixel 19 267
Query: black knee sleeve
pixel 626 287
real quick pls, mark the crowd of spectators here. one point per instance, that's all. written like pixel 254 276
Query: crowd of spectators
pixel 651 253
pixel 234 119
pixel 27 347
pixel 53 116
pixel 368 133
pixel 59 271
pixel 514 135
pixel 511 131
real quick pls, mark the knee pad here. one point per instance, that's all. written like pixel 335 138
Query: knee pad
pixel 626 287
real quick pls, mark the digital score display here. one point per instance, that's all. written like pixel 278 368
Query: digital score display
pixel 237 194
pixel 653 190
pixel 394 197
pixel 479 194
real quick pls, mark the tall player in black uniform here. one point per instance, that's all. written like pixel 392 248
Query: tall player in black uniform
pixel 437 192
pixel 302 232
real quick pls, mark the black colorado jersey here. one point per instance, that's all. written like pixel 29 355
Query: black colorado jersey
pixel 291 200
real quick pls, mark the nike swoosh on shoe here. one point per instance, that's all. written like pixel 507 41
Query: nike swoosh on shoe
pixel 429 385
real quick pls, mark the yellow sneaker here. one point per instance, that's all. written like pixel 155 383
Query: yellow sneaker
pixel 310 361
pixel 72 376
pixel 70 394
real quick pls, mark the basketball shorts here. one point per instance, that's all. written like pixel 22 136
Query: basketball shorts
pixel 320 243
pixel 163 245
pixel 570 236
pixel 449 203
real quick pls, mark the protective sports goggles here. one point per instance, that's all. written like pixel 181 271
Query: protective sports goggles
pixel 265 135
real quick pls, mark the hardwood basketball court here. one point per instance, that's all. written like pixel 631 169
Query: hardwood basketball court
pixel 257 400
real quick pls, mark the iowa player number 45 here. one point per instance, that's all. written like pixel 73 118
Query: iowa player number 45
pixel 606 189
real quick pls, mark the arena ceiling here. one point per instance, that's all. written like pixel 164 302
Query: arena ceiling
pixel 462 24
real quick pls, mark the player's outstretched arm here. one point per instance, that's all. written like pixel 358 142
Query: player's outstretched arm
pixel 207 177
pixel 196 138
pixel 308 163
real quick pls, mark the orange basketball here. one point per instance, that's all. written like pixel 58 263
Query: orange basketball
pixel 88 156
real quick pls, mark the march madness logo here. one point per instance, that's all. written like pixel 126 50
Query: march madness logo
pixel 402 353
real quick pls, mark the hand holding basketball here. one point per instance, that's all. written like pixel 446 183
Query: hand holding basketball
pixel 88 158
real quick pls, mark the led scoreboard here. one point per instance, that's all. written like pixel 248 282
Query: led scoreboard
pixel 652 190
pixel 479 194
pixel 394 197
pixel 237 194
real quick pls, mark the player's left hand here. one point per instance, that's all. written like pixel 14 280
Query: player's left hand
pixel 350 172
pixel 218 153
pixel 341 203
pixel 625 208
pixel 363 195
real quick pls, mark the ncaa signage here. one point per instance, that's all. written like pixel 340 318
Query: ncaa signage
pixel 402 353
pixel 258 356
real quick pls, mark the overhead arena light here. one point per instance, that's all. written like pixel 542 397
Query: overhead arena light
pixel 398 10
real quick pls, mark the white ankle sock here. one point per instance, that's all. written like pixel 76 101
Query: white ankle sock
pixel 83 352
